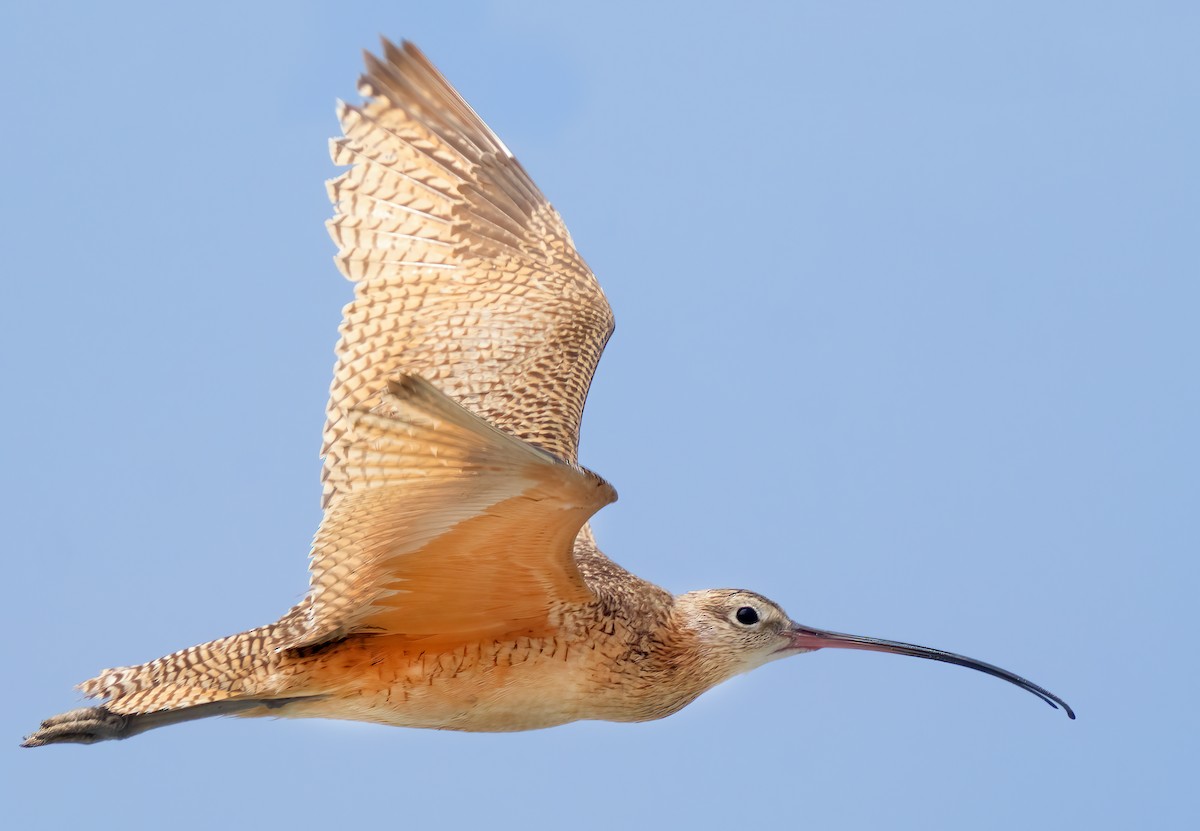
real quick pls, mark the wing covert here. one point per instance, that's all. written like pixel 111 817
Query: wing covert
pixel 444 526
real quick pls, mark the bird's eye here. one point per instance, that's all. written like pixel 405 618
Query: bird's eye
pixel 746 616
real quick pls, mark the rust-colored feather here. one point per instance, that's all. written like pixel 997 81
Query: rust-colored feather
pixel 442 524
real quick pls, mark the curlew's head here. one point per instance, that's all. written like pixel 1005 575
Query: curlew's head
pixel 736 631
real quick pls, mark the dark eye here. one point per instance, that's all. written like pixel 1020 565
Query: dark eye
pixel 746 616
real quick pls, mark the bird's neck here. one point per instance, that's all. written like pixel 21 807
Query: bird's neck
pixel 649 665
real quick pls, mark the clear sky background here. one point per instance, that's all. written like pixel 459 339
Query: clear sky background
pixel 907 300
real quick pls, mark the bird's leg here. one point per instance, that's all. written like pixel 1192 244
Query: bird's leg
pixel 83 726
pixel 88 725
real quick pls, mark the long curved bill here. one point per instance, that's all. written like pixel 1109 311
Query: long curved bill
pixel 804 637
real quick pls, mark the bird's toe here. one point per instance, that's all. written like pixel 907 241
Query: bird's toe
pixel 83 726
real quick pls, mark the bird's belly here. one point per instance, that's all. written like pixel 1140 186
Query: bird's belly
pixel 518 684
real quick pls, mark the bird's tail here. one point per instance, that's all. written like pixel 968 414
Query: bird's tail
pixel 228 675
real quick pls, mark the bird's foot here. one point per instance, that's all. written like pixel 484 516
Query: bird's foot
pixel 83 726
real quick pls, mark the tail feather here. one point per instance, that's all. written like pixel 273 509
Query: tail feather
pixel 226 676
pixel 237 666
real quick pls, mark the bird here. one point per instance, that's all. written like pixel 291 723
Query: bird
pixel 455 582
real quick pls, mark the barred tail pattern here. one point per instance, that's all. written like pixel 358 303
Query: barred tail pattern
pixel 237 666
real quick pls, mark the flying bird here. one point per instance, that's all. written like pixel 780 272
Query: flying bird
pixel 454 580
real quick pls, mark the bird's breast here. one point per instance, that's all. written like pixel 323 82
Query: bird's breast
pixel 596 668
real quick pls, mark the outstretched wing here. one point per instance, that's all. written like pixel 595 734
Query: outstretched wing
pixel 443 526
pixel 465 275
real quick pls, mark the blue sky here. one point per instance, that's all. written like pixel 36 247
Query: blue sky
pixel 907 303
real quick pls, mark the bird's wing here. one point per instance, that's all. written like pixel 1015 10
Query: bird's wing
pixel 444 526
pixel 465 275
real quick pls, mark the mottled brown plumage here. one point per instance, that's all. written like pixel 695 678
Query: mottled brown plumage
pixel 454 580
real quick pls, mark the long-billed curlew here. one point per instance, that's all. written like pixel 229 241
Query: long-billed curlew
pixel 454 580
